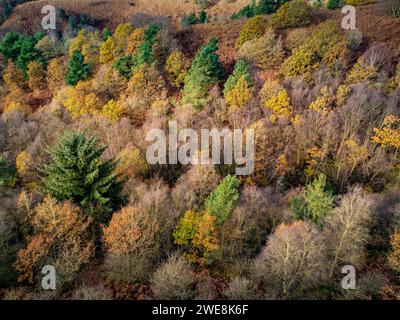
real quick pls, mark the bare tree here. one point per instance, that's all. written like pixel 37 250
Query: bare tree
pixel 294 258
pixel 347 229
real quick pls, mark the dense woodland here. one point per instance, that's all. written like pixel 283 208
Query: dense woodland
pixel 77 193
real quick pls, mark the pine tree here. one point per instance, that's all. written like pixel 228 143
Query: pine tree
pixel 203 16
pixel 77 69
pixel 222 200
pixel 204 72
pixel 10 45
pixel 241 69
pixel 77 174
pixel 319 201
pixel 333 4
pixel 28 53
pixel 7 174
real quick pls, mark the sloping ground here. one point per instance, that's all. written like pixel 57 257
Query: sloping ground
pixel 193 38
pixel 26 18
pixel 112 12
pixel 375 26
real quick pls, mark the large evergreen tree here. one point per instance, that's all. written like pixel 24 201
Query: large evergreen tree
pixel 204 72
pixel 77 173
pixel 222 200
pixel 77 69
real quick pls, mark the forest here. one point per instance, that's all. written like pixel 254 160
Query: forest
pixel 78 196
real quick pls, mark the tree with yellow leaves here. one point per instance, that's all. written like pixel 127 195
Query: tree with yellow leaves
pixel 113 110
pixel 56 74
pixel 177 67
pixel 15 84
pixel 352 155
pixel 240 94
pixel 389 134
pixel 13 77
pixel 80 100
pixel 88 44
pixel 279 105
pixel 120 38
pixel 61 239
pixel 134 41
pixel 36 76
pixel 197 233
pixel 146 84
pixel 324 101
pixel 107 50
pixel 394 256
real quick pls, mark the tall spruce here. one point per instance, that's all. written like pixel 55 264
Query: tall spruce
pixel 77 69
pixel 204 72
pixel 77 173
pixel 222 200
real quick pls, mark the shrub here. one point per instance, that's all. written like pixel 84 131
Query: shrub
pixel 293 14
pixel 253 28
pixel 173 280
pixel 362 72
pixel 221 201
pixel 261 7
pixel 189 19
pixel 61 239
pixel 129 268
pixel 391 7
pixel 76 173
pixel 296 38
pixel 239 289
pixel 85 292
pixel 264 52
